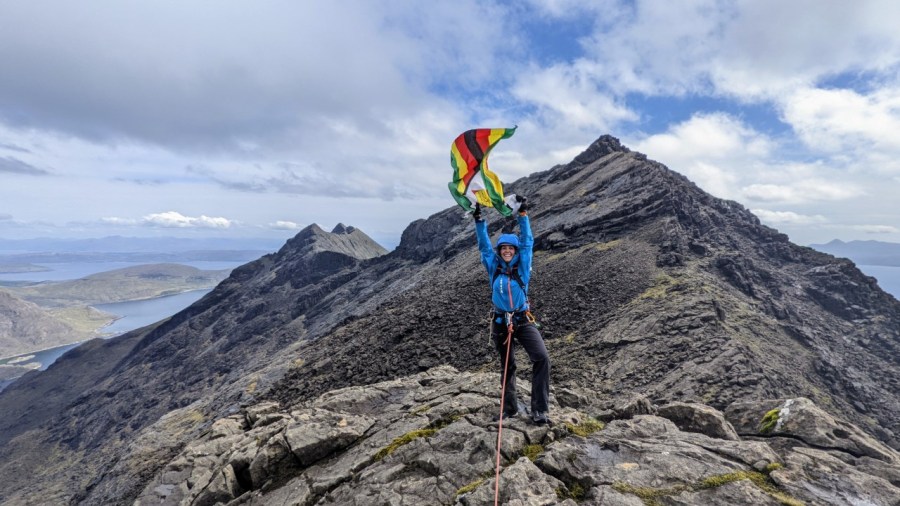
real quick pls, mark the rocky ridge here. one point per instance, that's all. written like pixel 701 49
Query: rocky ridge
pixel 430 439
pixel 644 284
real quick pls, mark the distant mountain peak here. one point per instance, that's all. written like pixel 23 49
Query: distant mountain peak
pixel 340 228
pixel 344 239
pixel 603 146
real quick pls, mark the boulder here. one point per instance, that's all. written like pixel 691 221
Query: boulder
pixel 826 479
pixel 801 419
pixel 692 417
pixel 648 456
pixel 317 433
pixel 627 407
pixel 521 484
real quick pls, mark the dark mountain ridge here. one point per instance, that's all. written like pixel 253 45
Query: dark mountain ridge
pixel 644 283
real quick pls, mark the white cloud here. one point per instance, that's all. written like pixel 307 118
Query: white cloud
pixel 716 135
pixel 729 159
pixel 716 151
pixel 174 219
pixel 657 47
pixel 571 95
pixel 284 225
pixel 877 229
pixel 763 56
pixel 12 165
pixel 735 48
pixel 769 193
pixel 787 217
pixel 114 220
pixel 567 9
pixel 237 77
pixel 835 120
pixel 314 104
pixel 802 191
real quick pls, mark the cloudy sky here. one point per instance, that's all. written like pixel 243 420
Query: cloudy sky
pixel 255 119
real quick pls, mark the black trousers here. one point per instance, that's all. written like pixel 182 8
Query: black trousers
pixel 527 335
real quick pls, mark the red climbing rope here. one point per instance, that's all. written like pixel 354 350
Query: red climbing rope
pixel 509 333
pixel 509 337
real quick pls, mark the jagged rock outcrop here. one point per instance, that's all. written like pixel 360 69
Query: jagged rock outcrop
pixel 654 297
pixel 430 439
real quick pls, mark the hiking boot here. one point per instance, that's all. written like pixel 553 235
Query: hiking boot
pixel 522 410
pixel 540 418
pixel 507 415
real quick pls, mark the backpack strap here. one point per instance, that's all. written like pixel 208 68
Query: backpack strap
pixel 514 274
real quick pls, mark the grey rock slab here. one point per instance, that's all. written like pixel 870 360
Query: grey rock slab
pixel 648 452
pixel 627 407
pixel 274 455
pixel 521 484
pixel 430 469
pixel 692 417
pixel 255 412
pixel 802 419
pixel 605 495
pixel 820 478
pixel 223 487
pixel 736 492
pixel 294 493
pixel 317 433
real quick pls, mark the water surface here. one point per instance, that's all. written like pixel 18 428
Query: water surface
pixel 78 270
pixel 888 277
pixel 138 313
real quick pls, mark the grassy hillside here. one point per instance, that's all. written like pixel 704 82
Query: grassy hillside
pixel 25 327
pixel 131 283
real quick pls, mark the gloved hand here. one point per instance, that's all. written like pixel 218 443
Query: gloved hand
pixel 477 213
pixel 523 204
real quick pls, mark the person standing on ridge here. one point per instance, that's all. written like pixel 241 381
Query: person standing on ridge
pixel 509 268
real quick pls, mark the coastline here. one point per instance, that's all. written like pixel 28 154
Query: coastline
pixel 25 356
pixel 98 331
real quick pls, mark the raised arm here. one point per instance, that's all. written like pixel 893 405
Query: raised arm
pixel 526 247
pixel 484 242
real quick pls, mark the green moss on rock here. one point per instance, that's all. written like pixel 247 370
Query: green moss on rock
pixel 573 491
pixel 413 435
pixel 769 421
pixel 651 495
pixel 532 451
pixel 407 438
pixel 585 428
pixel 470 487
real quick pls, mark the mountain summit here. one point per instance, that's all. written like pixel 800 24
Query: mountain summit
pixel 647 288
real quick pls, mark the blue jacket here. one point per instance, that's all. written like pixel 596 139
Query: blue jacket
pixel 505 285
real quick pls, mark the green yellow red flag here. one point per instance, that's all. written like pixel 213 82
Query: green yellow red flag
pixel 473 182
